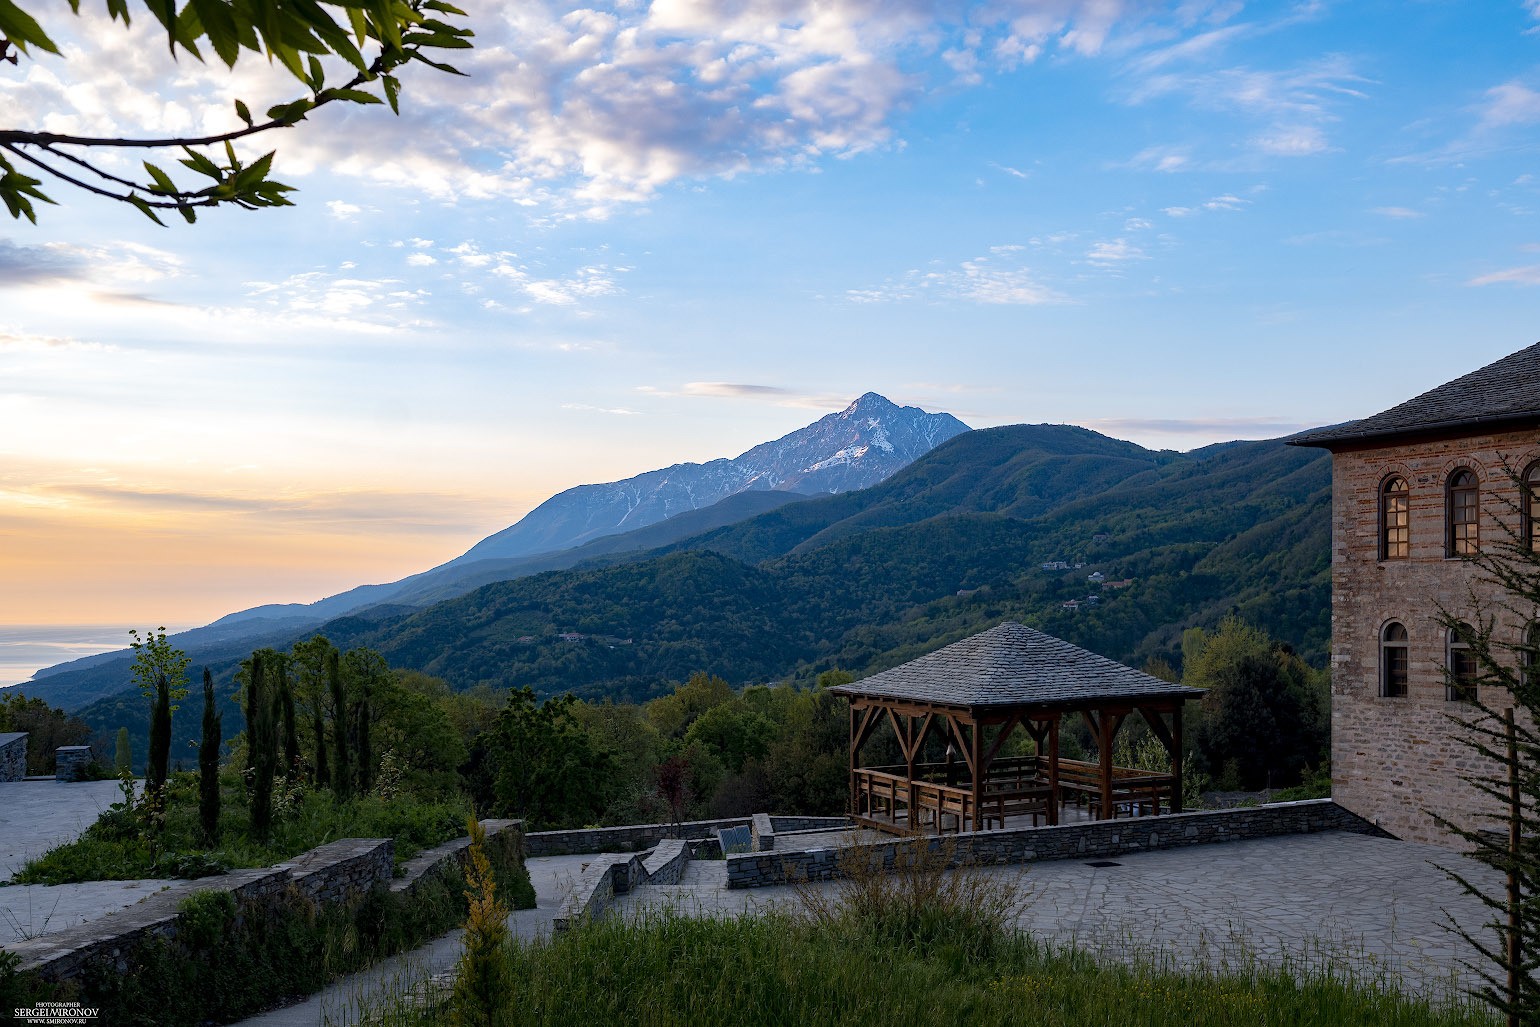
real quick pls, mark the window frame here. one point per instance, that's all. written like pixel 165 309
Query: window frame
pixel 1404 496
pixel 1455 652
pixel 1388 646
pixel 1457 491
pixel 1529 507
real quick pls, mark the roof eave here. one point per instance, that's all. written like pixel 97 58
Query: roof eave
pixel 1346 439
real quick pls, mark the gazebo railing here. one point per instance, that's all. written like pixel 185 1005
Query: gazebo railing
pixel 941 794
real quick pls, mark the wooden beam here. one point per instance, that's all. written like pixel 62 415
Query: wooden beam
pixel 963 745
pixel 1005 732
pixel 862 734
pixel 1091 722
pixel 1158 727
pixel 978 776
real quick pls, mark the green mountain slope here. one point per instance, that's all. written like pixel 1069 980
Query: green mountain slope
pixel 864 580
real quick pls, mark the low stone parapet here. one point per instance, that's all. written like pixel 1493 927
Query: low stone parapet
pixel 1091 840
pixel 762 831
pixel 71 762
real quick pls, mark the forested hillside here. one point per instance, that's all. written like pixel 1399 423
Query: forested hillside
pixel 864 580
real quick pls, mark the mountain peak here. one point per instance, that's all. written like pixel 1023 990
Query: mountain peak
pixel 853 449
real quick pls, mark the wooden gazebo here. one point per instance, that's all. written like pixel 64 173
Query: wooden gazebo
pixel 970 697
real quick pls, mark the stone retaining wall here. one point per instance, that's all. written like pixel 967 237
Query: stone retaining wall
pixel 338 872
pixel 1090 840
pixel 13 756
pixel 666 863
pixel 595 889
pixel 762 833
pixel 71 762
pixel 639 837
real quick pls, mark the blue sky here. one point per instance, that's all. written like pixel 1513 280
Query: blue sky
pixel 648 233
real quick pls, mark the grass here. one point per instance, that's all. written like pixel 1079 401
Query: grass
pixel 911 943
pixel 782 968
pixel 113 848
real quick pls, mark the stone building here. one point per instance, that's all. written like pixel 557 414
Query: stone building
pixel 1415 490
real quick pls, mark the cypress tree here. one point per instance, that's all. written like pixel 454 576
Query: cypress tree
pixel 285 696
pixel 343 777
pixel 261 744
pixel 323 777
pixel 123 759
pixel 208 764
pixel 365 752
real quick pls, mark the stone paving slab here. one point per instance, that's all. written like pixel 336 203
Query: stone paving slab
pixel 36 816
pixel 35 910
pixel 1370 906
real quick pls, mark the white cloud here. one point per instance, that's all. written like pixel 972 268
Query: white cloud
pixel 1529 275
pixel 1137 224
pixel 1115 253
pixel 580 110
pixel 1511 103
pixel 1292 141
pixel 996 279
pixel 342 210
pixel 1399 213
pixel 584 283
pixel 421 260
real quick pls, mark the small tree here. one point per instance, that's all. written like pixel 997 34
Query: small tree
pixel 483 985
pixel 208 764
pixel 1508 665
pixel 160 671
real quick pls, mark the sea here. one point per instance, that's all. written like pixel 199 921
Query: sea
pixel 26 649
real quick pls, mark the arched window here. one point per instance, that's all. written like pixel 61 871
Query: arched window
pixel 1529 504
pixel 1464 511
pixel 1529 652
pixel 1461 686
pixel 1393 661
pixel 1395 519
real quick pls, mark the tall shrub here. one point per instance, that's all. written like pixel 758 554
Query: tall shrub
pixel 285 697
pixel 208 764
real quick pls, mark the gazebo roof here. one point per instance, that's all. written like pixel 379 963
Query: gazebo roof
pixel 1012 665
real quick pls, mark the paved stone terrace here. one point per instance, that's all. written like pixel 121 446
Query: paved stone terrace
pixel 1359 903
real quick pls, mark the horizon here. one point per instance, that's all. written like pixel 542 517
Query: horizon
pixel 667 233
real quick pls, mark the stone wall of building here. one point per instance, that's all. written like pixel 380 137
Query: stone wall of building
pixel 1394 758
pixel 13 756
pixel 1091 840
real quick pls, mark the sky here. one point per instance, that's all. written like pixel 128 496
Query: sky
pixel 645 233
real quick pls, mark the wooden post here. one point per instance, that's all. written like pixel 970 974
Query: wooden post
pixel 1053 771
pixel 1104 745
pixel 855 801
pixel 1176 759
pixel 1515 811
pixel 977 748
pixel 909 746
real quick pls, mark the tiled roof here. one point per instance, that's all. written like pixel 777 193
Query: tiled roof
pixel 1014 665
pixel 1508 390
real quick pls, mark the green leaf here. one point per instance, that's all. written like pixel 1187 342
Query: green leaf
pixel 243 112
pixel 145 208
pixel 188 214
pixel 19 27
pixel 163 183
pixel 443 8
pixel 200 163
pixel 350 95
pixel 393 92
pixel 317 74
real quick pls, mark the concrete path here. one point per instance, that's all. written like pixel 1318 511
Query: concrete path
pixel 343 1003
pixel 1369 906
pixel 36 816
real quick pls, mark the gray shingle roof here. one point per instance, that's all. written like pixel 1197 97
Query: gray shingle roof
pixel 1508 390
pixel 1014 665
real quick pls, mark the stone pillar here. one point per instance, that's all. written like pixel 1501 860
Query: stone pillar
pixel 13 756
pixel 71 762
